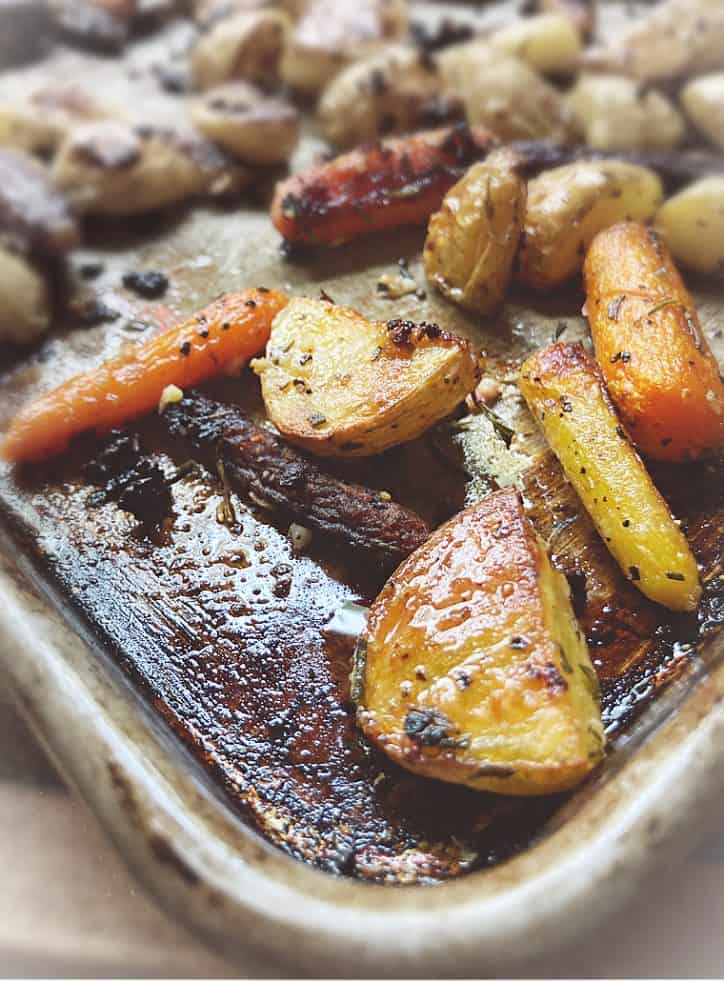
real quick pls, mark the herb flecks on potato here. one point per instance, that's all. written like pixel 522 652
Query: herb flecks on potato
pixel 565 391
pixel 473 669
pixel 338 384
pixel 472 240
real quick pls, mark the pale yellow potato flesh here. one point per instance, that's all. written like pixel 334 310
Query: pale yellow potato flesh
pixel 564 389
pixel 473 669
pixel 692 225
pixel 567 206
pixel 472 240
pixel 548 42
pixel 338 384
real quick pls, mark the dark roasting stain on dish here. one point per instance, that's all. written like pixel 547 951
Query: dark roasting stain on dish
pixel 226 630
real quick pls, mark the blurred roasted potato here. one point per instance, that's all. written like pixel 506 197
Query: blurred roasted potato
pixel 114 169
pixel 565 391
pixel 548 42
pixel 504 94
pixel 330 35
pixel 703 101
pixel 24 300
pixel 692 225
pixel 247 46
pixel 393 91
pixel 676 39
pixel 472 668
pixel 39 122
pixel 338 384
pixel 472 240
pixel 254 127
pixel 615 113
pixel 568 205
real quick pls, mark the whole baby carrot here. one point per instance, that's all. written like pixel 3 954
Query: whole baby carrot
pixel 218 340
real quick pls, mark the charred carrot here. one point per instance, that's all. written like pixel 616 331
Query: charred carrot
pixel 220 339
pixel 384 185
pixel 649 344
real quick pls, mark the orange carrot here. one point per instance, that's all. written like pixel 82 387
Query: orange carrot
pixel 221 338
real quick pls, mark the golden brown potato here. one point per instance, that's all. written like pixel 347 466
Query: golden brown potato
pixel 393 91
pixel 246 45
pixel 338 384
pixel 568 205
pixel 548 42
pixel 472 668
pixel 654 357
pixel 692 225
pixel 330 35
pixel 615 113
pixel 703 102
pixel 565 391
pixel 676 39
pixel 254 127
pixel 504 94
pixel 472 240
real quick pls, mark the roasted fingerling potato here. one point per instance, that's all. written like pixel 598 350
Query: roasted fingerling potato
pixel 568 205
pixel 472 668
pixel 337 384
pixel 247 45
pixel 691 224
pixel 657 364
pixel 703 102
pixel 549 42
pixel 567 395
pixel 472 240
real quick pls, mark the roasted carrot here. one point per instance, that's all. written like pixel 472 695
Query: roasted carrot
pixel 221 338
pixel 378 186
pixel 657 365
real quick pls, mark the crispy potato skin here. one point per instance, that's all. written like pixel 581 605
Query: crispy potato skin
pixel 472 240
pixel 472 669
pixel 568 205
pixel 658 367
pixel 340 385
pixel 376 187
pixel 565 391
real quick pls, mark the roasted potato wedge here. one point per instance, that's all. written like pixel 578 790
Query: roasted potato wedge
pixel 692 225
pixel 472 668
pixel 247 46
pixel 548 42
pixel 337 384
pixel 472 240
pixel 568 205
pixel 655 359
pixel 330 35
pixel 676 39
pixel 396 90
pixel 615 113
pixel 565 391
pixel 703 102
pixel 504 94
pixel 254 127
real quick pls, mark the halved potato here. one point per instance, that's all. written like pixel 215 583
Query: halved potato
pixel 567 206
pixel 472 240
pixel 615 113
pixel 565 391
pixel 254 127
pixel 472 668
pixel 692 225
pixel 338 384
pixel 548 42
